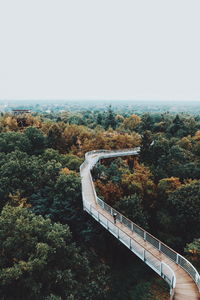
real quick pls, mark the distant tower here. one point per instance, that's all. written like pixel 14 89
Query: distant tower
pixel 21 116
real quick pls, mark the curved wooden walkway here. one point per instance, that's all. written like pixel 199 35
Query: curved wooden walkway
pixel 171 266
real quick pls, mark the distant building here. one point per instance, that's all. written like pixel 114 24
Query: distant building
pixel 21 111
pixel 21 116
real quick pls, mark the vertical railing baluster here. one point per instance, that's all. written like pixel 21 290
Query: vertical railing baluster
pixel 177 258
pixel 159 247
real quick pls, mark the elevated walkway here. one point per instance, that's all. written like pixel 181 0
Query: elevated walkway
pixel 178 272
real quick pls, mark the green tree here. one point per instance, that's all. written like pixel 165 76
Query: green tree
pixel 146 142
pixel 193 247
pixel 146 122
pixel 178 127
pixel 62 202
pixel 99 119
pixel 37 140
pixel 132 208
pixel 11 141
pixel 110 120
pixel 39 261
pixel 193 251
pixel 185 207
pixel 33 174
pixel 55 138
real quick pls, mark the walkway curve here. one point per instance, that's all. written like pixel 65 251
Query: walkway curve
pixel 178 272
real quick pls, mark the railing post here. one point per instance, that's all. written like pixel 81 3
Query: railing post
pixel 107 225
pixel 161 269
pixel 120 218
pixel 111 211
pixel 144 258
pixel 177 259
pixel 130 244
pixel 159 246
pixel 145 235
pixel 118 232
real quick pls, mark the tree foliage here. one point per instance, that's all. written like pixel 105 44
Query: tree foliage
pixel 39 172
pixel 185 203
pixel 47 264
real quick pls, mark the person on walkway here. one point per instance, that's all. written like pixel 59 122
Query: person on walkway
pixel 115 217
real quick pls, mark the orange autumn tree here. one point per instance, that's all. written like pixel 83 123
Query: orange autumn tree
pixel 168 185
pixel 196 145
pixel 9 123
pixel 131 122
pixel 67 171
pixel 196 137
pixel 139 182
pixel 110 140
pixel 75 136
pixel 186 143
pixel 110 191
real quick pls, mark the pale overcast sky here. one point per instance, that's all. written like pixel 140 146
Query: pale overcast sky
pixel 105 49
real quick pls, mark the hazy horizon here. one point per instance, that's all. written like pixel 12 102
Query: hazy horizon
pixel 180 104
pixel 100 100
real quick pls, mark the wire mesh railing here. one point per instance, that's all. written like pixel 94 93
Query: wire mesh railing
pixel 188 267
pixel 157 265
pixel 170 253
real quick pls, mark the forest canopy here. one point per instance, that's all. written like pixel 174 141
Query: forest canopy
pixel 50 249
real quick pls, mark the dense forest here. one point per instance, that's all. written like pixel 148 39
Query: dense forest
pixel 51 249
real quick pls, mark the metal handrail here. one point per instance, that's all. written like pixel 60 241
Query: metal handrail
pixel 158 270
pixel 119 214
pixel 170 253
pixel 111 151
